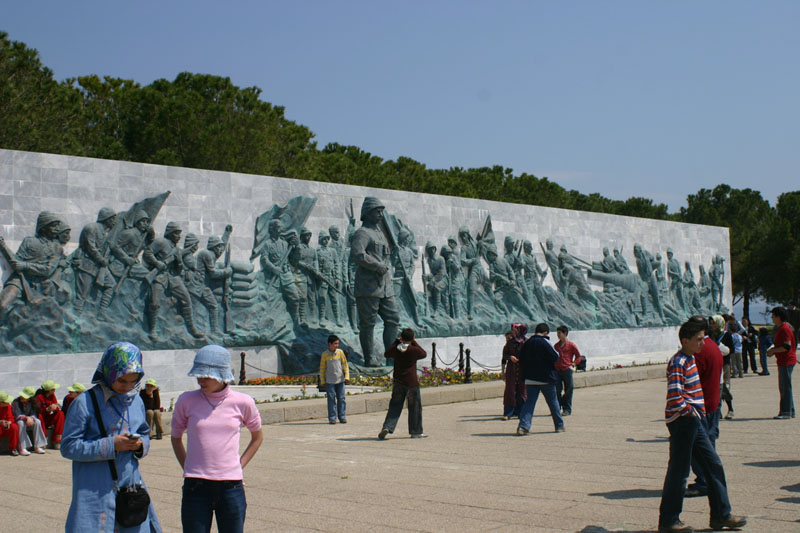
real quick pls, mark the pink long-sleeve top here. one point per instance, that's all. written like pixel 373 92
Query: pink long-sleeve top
pixel 212 444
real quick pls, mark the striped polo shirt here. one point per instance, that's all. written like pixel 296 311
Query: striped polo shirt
pixel 684 392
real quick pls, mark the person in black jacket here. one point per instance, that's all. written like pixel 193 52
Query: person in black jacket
pixel 538 358
pixel 406 352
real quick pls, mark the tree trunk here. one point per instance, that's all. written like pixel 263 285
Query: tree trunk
pixel 746 300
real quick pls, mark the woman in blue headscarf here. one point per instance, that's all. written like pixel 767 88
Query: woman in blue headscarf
pixel 117 382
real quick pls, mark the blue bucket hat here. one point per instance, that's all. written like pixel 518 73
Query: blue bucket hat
pixel 214 362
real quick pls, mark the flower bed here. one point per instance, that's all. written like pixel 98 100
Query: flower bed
pixel 429 377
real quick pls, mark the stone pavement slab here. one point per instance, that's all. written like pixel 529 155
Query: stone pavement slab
pixel 472 473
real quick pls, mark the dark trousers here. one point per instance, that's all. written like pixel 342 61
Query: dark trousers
pixel 202 497
pixel 785 388
pixel 749 354
pixel 687 439
pixel 564 388
pixel 399 394
pixel 712 430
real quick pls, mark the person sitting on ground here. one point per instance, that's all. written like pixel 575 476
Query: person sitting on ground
pixel 73 391
pixel 405 352
pixel 568 358
pixel 538 358
pixel 334 374
pixel 764 343
pixel 8 428
pixel 785 352
pixel 50 412
pixel 26 413
pixel 689 440
pixel 152 406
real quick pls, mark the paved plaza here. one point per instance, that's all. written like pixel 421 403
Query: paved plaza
pixel 472 473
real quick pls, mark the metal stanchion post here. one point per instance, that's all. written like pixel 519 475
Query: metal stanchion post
pixel 460 356
pixel 242 371
pixel 433 355
pixel 468 370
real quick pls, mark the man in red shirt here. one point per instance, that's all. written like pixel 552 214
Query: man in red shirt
pixel 568 357
pixel 784 350
pixel 709 368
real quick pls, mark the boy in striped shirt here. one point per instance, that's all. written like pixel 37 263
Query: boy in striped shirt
pixel 688 439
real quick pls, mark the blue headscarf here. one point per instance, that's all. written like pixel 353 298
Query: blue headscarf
pixel 120 359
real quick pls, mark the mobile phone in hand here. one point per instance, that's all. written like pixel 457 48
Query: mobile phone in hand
pixel 133 436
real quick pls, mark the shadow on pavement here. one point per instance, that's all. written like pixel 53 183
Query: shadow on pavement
pixel 599 529
pixel 481 417
pixel 507 434
pixel 628 494
pixel 792 488
pixel 657 440
pixel 788 500
pixel 773 464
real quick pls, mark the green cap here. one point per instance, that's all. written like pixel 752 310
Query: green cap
pixel 4 397
pixel 28 392
pixel 152 382
pixel 50 385
pixel 77 387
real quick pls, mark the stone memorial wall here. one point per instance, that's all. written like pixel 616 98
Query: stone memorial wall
pixel 173 258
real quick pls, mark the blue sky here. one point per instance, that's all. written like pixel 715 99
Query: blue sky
pixel 624 98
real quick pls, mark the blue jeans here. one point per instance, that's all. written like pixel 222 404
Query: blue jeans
pixel 712 430
pixel 762 354
pixel 336 402
pixel 565 383
pixel 399 394
pixel 549 393
pixel 785 388
pixel 202 497
pixel 687 440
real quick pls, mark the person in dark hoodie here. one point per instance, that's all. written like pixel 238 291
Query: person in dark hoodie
pixel 406 352
pixel 538 359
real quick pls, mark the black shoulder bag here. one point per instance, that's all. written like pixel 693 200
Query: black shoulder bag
pixel 133 503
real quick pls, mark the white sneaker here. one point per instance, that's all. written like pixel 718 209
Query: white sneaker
pixel 39 450
pixel 24 452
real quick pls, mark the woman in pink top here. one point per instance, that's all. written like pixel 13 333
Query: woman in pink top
pixel 212 417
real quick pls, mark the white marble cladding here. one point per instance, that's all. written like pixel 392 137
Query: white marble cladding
pixel 603 348
pixel 204 201
pixel 168 367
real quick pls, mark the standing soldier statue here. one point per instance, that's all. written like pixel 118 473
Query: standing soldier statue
pixel 166 270
pixel 374 291
pixel 273 255
pixel 435 280
pixel 327 264
pixel 91 260
pixel 213 277
pixel 307 256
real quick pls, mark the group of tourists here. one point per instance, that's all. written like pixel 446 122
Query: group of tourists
pixel 533 365
pixel 28 419
pixel 711 348
pixel 107 431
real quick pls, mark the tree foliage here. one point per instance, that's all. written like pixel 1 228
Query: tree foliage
pixel 205 121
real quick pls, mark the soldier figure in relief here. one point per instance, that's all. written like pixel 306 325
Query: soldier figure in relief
pixel 91 260
pixel 374 291
pixel 163 259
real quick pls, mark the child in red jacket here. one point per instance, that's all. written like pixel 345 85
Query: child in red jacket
pixel 8 427
pixel 50 412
